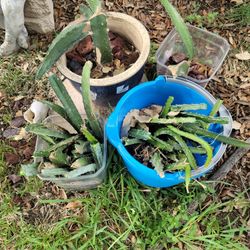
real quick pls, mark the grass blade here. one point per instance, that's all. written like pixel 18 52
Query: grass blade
pixel 187 177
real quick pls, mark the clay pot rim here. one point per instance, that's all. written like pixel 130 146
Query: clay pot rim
pixel 144 52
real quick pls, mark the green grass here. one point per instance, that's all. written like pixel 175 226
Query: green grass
pixel 123 214
pixel 202 20
pixel 239 15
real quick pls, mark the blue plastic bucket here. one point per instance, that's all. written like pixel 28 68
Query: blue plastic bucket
pixel 157 92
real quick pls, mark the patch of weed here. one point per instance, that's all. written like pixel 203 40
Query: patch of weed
pixel 239 15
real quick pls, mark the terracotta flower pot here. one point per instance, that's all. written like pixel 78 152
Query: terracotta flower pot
pixel 107 91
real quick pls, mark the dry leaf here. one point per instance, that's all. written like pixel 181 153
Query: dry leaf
pixel 128 122
pixel 19 113
pixel 18 98
pixel 237 1
pixel 245 86
pixel 180 69
pixel 236 125
pixel 21 135
pixel 73 205
pixel 153 111
pixel 62 194
pixel 244 56
pixel 106 69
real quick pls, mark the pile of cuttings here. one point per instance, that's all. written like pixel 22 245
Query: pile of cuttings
pixel 67 155
pixel 77 148
pixel 167 138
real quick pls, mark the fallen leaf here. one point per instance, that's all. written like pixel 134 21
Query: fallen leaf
pixel 245 86
pixel 237 1
pixel 25 66
pixel 21 135
pixel 180 69
pixel 73 205
pixel 14 178
pixel 236 125
pixel 244 56
pixel 19 113
pixel 153 111
pixel 62 194
pixel 18 98
pixel 128 122
pixel 27 152
pixel 10 132
pixel 17 122
pixel 12 158
pixel 178 57
pixel 106 69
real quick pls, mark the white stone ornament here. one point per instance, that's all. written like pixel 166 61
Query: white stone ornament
pixel 37 15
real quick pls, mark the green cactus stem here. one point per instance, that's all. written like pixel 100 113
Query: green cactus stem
pixel 167 107
pixel 100 38
pixel 66 40
pixel 217 137
pixel 92 119
pixel 195 138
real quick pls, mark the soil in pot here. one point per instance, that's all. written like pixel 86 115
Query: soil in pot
pixel 124 55
pixel 196 69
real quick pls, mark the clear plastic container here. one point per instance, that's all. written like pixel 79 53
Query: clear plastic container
pixel 210 49
pixel 80 183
